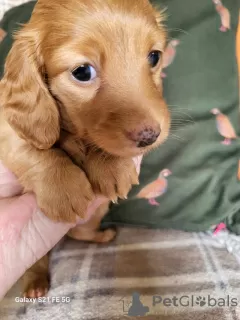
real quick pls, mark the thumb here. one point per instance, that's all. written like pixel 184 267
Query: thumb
pixel 15 213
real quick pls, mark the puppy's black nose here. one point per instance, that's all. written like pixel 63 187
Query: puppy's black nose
pixel 145 137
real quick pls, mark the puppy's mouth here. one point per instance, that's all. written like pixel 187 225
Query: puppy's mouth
pixel 125 151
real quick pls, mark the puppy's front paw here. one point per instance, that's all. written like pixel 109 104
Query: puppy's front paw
pixel 111 176
pixel 64 193
pixel 37 288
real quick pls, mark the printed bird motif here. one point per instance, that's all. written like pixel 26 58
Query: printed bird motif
pixel 224 126
pixel 156 188
pixel 221 226
pixel 238 173
pixel 2 34
pixel 224 15
pixel 169 55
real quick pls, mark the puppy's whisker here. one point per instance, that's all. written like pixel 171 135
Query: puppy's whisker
pixel 179 109
pixel 177 123
pixel 175 137
pixel 178 106
pixel 181 124
pixel 180 30
pixel 181 119
pixel 177 129
pixel 184 114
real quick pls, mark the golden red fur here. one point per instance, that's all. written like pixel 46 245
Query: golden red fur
pixel 66 139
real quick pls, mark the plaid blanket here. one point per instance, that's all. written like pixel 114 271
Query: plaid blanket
pixel 151 273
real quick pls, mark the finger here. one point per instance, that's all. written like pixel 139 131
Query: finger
pixel 32 236
pixel 15 213
pixel 9 185
pixel 92 208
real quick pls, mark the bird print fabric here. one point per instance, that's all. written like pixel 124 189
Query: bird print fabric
pixel 224 126
pixel 238 172
pixel 156 188
pixel 169 55
pixel 201 76
pixel 2 34
pixel 224 15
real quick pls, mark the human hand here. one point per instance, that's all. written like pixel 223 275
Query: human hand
pixel 26 234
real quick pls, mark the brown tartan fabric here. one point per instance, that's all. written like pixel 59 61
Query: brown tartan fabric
pixel 99 279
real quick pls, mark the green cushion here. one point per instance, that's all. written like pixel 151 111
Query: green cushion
pixel 11 22
pixel 203 189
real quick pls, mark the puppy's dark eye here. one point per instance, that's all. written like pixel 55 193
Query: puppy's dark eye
pixel 154 57
pixel 84 73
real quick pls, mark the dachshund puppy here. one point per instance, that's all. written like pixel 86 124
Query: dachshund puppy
pixel 81 95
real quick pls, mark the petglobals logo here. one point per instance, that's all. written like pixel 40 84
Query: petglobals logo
pixel 192 301
pixel 138 305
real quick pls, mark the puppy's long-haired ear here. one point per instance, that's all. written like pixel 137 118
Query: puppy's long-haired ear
pixel 28 105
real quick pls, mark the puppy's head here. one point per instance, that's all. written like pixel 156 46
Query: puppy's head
pixel 92 68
